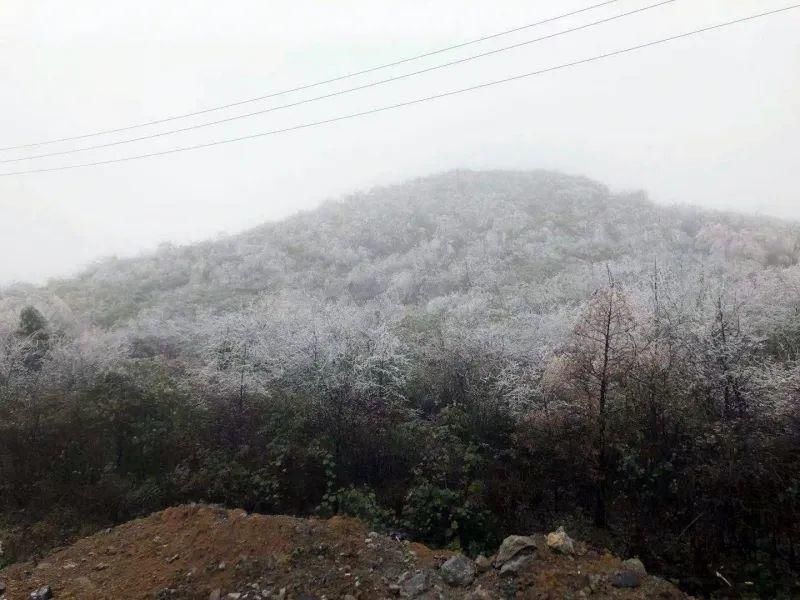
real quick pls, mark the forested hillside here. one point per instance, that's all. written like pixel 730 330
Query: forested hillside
pixel 460 356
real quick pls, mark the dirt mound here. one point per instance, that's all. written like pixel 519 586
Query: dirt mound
pixel 204 552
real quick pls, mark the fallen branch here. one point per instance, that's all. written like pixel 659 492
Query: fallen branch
pixel 718 574
pixel 693 521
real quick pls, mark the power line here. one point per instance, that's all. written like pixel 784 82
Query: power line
pixel 339 92
pixel 409 102
pixel 314 84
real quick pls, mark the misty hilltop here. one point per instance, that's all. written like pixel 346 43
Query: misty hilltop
pixel 530 241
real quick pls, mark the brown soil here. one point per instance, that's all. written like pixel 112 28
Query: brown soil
pixel 192 551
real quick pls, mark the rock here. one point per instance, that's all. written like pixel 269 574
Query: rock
pixel 43 593
pixel 513 545
pixel 482 564
pixel 399 535
pixel 215 595
pixel 559 541
pixel 413 585
pixel 478 594
pixel 101 566
pixel 595 581
pixel 635 565
pixel 515 565
pixel 626 579
pixel 2 588
pixel 458 570
pixel 233 596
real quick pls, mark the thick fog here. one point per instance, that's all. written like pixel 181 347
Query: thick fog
pixel 712 120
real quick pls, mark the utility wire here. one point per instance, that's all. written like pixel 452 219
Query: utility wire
pixel 314 84
pixel 410 102
pixel 339 92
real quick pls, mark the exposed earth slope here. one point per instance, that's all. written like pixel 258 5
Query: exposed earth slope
pixel 201 551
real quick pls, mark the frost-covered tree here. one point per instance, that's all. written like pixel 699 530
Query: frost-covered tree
pixel 601 355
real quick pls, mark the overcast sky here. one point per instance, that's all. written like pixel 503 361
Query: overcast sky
pixel 711 120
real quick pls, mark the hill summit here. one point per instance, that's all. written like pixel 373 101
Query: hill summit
pixel 534 237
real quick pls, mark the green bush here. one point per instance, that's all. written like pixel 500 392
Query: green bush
pixel 360 503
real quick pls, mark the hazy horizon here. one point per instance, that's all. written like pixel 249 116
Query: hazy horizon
pixel 145 251
pixel 707 121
